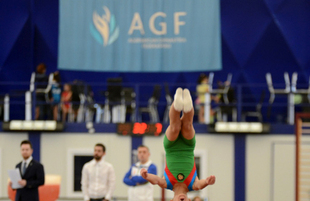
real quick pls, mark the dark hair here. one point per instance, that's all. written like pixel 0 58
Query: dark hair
pixel 201 77
pixel 57 77
pixel 26 142
pixel 41 68
pixel 143 146
pixel 100 145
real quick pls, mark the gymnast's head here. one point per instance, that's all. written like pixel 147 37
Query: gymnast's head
pixel 180 197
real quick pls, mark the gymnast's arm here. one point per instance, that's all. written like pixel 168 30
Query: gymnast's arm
pixel 202 183
pixel 153 179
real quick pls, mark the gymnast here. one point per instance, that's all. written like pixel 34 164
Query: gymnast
pixel 180 174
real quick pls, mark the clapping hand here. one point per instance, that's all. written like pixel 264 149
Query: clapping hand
pixel 143 173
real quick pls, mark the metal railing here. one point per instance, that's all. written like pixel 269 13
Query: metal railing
pixel 18 102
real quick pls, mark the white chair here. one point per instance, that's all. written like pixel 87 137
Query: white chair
pixel 274 91
pixel 300 91
pixel 222 116
pixel 286 91
pixel 151 108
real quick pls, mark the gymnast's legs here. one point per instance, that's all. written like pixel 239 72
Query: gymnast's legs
pixel 184 125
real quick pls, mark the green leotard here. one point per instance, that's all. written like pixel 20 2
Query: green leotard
pixel 180 156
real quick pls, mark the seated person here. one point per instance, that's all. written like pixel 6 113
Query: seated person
pixel 179 142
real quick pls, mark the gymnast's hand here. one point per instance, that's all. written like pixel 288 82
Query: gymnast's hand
pixel 210 180
pixel 143 173
pixel 202 183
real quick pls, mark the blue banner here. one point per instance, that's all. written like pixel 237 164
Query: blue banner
pixel 139 35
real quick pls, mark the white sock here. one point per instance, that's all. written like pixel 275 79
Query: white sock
pixel 187 99
pixel 178 100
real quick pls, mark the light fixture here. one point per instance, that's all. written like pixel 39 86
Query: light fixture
pixel 239 127
pixel 36 125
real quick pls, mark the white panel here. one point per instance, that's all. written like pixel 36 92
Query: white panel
pixel 0 173
pixel 220 150
pixel 54 149
pixel 259 160
pixel 283 171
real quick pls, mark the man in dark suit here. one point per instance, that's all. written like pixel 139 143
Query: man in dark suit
pixel 32 173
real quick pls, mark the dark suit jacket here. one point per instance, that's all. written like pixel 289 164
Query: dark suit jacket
pixel 34 176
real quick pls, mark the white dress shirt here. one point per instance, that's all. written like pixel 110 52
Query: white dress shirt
pixel 98 180
pixel 27 164
pixel 27 161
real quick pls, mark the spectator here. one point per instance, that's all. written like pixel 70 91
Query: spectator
pixel 56 95
pixel 98 177
pixel 225 108
pixel 139 188
pixel 66 101
pixel 202 88
pixel 41 81
pixel 77 89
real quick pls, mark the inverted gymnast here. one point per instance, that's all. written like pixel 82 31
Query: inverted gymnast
pixel 180 174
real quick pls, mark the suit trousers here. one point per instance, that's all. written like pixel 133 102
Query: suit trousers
pixel 97 199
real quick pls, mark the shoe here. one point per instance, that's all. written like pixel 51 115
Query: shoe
pixel 178 100
pixel 187 101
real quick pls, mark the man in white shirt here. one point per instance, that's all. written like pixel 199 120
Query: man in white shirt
pixel 98 177
pixel 139 188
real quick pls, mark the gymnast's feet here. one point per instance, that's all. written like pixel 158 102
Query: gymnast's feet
pixel 182 100
pixel 178 100
pixel 187 101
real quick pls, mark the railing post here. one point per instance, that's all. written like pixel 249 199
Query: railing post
pixel 6 108
pixel 207 107
pixel 290 108
pixel 28 108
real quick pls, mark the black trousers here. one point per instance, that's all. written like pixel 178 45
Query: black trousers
pixel 97 199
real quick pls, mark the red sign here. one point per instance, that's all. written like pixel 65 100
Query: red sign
pixel 139 129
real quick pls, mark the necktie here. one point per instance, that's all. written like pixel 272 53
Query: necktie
pixel 24 168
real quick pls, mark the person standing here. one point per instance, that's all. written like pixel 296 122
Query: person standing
pixel 56 94
pixel 201 89
pixel 98 177
pixel 41 82
pixel 32 173
pixel 140 189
